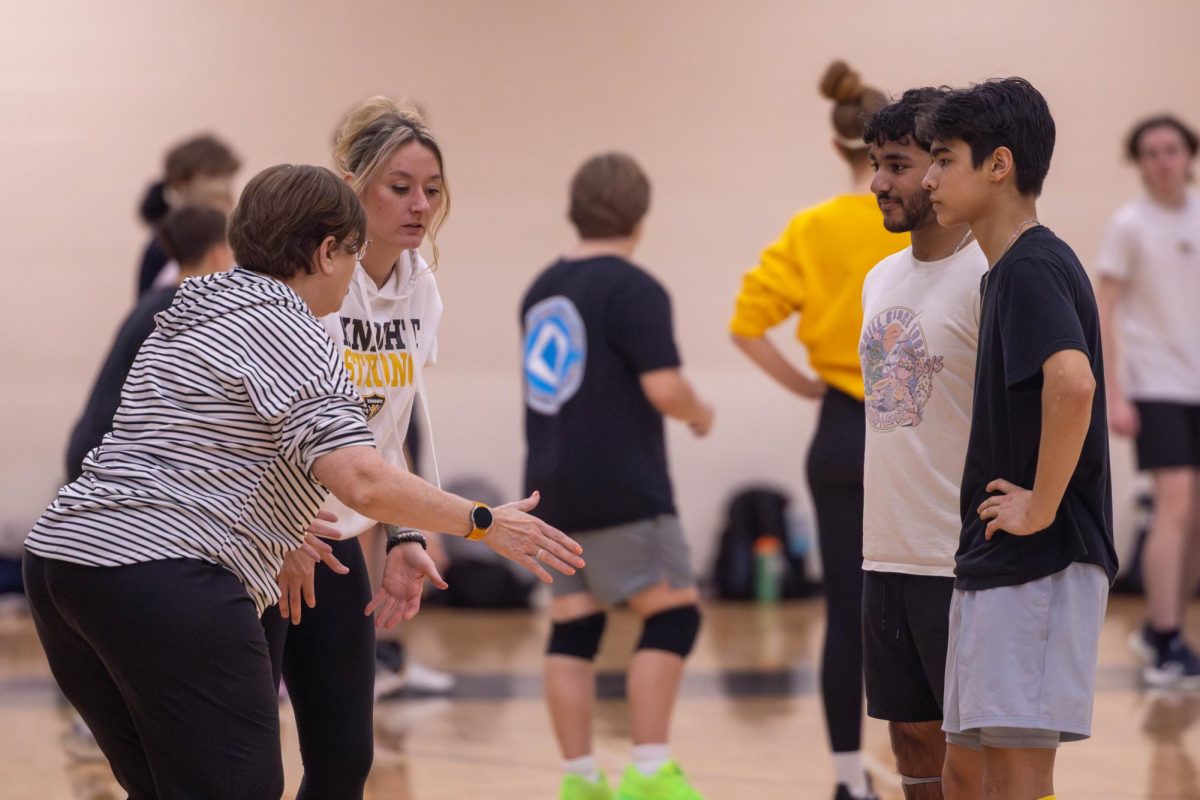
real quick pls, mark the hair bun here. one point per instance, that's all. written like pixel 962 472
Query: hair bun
pixel 366 114
pixel 840 83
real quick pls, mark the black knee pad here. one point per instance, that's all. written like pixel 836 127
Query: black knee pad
pixel 579 638
pixel 673 630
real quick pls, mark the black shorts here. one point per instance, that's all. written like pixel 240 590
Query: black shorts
pixel 1169 435
pixel 906 620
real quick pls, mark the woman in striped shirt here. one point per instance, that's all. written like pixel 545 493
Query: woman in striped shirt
pixel 148 575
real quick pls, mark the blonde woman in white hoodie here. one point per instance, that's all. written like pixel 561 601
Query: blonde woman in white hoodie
pixel 386 333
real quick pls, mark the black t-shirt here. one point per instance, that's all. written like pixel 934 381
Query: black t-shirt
pixel 154 258
pixel 102 404
pixel 1037 301
pixel 596 446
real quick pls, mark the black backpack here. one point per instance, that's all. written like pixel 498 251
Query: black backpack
pixel 755 512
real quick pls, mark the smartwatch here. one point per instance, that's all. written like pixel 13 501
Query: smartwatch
pixel 481 522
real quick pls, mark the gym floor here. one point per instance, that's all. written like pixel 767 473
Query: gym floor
pixel 748 723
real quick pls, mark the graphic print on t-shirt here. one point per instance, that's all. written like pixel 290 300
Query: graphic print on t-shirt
pixel 555 354
pixel 376 356
pixel 898 369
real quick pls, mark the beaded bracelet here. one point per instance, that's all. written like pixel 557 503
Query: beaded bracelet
pixel 399 536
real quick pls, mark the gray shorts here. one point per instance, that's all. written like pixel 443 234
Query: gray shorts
pixel 1022 660
pixel 625 560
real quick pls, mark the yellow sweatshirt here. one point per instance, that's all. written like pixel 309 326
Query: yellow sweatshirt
pixel 817 269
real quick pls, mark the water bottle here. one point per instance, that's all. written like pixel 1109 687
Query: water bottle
pixel 768 569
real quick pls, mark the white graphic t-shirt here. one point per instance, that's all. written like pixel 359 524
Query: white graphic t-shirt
pixel 386 336
pixel 1155 251
pixel 919 337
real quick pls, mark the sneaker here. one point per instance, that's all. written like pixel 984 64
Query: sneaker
pixel 1177 667
pixel 843 793
pixel 388 682
pixel 576 787
pixel 422 680
pixel 1141 643
pixel 668 783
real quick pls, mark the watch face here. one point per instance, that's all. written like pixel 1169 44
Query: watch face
pixel 482 517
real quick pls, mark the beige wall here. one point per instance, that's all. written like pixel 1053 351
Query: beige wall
pixel 716 99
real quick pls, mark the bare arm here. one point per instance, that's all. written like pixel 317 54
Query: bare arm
pixel 673 396
pixel 1068 390
pixel 361 479
pixel 763 352
pixel 1122 415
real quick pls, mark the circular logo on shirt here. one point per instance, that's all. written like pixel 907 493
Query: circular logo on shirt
pixel 555 354
pixel 897 369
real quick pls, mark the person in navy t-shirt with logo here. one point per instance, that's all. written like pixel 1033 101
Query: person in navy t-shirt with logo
pixel 600 371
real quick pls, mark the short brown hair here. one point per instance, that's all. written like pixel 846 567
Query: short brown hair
pixel 1133 142
pixel 190 232
pixel 609 196
pixel 284 214
pixel 200 155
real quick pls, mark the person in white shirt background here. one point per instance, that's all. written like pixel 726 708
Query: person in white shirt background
pixel 1149 267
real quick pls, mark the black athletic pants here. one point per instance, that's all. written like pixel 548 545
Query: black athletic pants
pixel 167 664
pixel 328 664
pixel 835 478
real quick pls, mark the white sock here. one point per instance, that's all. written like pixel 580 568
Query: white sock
pixel 650 758
pixel 584 766
pixel 851 773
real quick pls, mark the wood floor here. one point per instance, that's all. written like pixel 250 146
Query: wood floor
pixel 748 723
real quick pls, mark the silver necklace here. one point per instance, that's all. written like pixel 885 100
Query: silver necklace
pixel 988 274
pixel 964 241
pixel 1016 233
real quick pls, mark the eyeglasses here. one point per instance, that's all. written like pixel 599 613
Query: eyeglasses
pixel 361 251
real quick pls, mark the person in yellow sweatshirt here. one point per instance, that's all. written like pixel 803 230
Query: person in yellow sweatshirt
pixel 816 269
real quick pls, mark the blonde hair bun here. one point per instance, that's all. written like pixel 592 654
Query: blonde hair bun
pixel 366 114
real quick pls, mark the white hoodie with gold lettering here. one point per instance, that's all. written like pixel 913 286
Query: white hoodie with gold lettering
pixel 387 336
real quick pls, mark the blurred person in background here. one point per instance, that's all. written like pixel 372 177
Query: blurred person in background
pixel 198 171
pixel 194 238
pixel 601 370
pixel 1149 265
pixel 816 269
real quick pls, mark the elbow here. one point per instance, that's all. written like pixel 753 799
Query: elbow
pixel 358 489
pixel 663 401
pixel 1077 390
pixel 359 496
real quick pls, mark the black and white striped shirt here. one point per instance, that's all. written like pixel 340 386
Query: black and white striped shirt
pixel 230 401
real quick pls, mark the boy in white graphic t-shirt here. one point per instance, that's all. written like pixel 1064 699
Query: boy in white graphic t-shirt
pixel 920 331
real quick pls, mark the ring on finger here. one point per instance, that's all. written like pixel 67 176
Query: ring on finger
pixel 538 555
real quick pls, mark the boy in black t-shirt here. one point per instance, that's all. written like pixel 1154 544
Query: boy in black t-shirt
pixel 601 369
pixel 1035 557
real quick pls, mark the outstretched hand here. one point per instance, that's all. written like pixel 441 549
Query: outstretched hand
pixel 530 542
pixel 404 575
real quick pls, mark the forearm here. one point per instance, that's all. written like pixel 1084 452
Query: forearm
pixel 763 352
pixel 1066 416
pixel 681 403
pixel 366 483
pixel 1108 299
